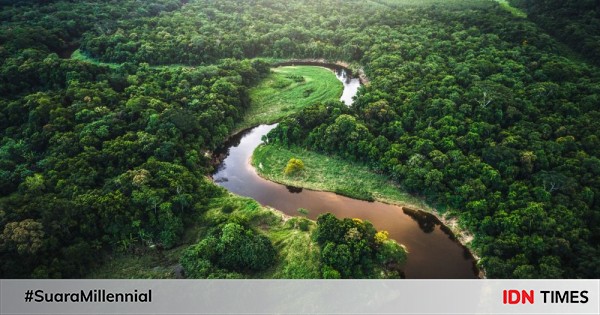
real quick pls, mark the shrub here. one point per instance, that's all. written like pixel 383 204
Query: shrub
pixel 243 249
pixel 228 208
pixel 236 249
pixel 308 92
pixel 303 224
pixel 281 83
pixel 293 166
pixel 295 77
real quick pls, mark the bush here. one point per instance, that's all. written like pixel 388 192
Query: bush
pixel 237 249
pixel 308 92
pixel 293 166
pixel 228 208
pixel 281 83
pixel 196 259
pixel 303 224
pixel 352 248
pixel 295 77
pixel 243 249
pixel 330 273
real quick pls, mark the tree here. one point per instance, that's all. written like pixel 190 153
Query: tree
pixel 339 258
pixel 293 167
pixel 26 237
pixel 236 249
pixel 240 249
pixel 35 183
pixel 352 248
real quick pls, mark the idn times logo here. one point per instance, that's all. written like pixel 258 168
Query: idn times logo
pixel 548 297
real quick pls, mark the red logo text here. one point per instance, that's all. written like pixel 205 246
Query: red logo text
pixel 516 296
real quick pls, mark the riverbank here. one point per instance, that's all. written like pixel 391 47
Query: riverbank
pixel 325 173
pixel 351 179
pixel 353 70
pixel 286 90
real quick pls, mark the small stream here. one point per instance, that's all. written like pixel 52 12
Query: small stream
pixel 433 250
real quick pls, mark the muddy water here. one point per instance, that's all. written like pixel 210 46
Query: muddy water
pixel 433 251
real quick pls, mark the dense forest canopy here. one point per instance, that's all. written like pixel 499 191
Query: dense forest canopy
pixel 480 112
pixel 576 22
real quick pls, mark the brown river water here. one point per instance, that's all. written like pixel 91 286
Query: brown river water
pixel 434 252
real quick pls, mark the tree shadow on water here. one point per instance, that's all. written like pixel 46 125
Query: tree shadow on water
pixel 294 190
pixel 426 221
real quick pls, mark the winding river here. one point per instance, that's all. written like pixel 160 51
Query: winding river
pixel 433 250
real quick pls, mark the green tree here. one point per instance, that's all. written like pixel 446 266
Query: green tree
pixel 26 237
pixel 294 166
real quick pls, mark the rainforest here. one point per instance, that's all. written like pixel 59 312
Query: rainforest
pixel 472 124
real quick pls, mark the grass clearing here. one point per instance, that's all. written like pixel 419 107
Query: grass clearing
pixel 78 55
pixel 514 11
pixel 147 264
pixel 287 90
pixel 326 173
pixel 299 255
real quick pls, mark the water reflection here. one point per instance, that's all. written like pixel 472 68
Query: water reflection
pixel 426 221
pixel 351 85
pixel 294 190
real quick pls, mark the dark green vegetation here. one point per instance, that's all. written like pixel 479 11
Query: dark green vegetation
pixel 114 159
pixel 289 89
pixel 233 247
pixel 479 111
pixel 241 239
pixel 105 158
pixel 482 117
pixel 351 248
pixel 575 22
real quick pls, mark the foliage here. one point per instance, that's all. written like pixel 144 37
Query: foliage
pixel 468 106
pixel 502 136
pixel 234 249
pixel 351 248
pixel 103 158
pixel 27 236
pixel 577 23
pixel 293 167
pixel 299 256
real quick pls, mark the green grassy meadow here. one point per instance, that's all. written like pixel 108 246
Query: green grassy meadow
pixel 514 11
pixel 326 173
pixel 78 55
pixel 287 90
